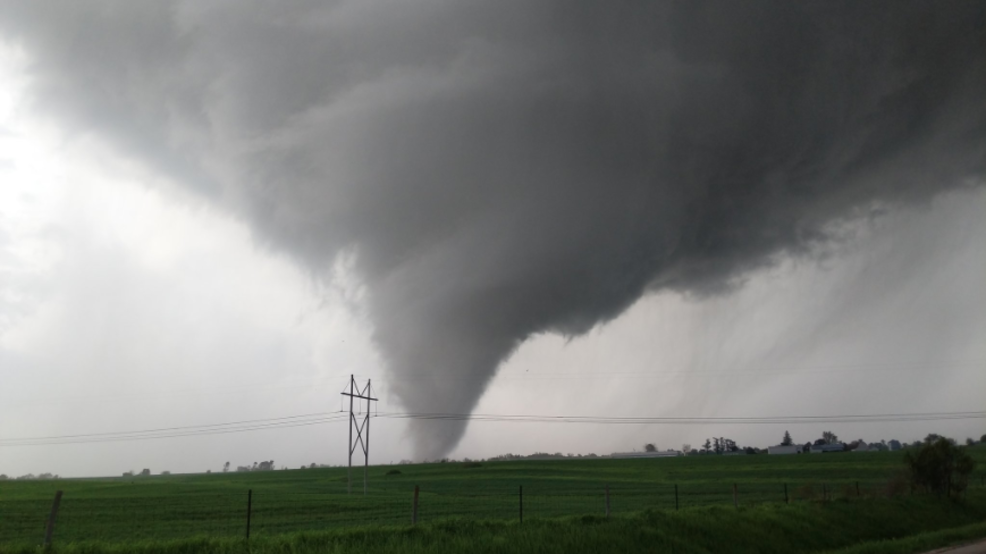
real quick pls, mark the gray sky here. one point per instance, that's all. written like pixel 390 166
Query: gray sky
pixel 217 212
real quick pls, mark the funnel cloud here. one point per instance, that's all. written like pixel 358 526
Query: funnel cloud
pixel 502 169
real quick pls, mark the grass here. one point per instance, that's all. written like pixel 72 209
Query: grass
pixel 922 542
pixel 768 528
pixel 285 503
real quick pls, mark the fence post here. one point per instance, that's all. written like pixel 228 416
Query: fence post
pixel 522 503
pixel 414 507
pixel 786 499
pixel 676 497
pixel 249 510
pixel 50 527
pixel 607 500
pixel 735 499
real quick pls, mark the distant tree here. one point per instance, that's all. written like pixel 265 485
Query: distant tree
pixel 226 467
pixel 145 472
pixel 969 441
pixel 819 442
pixel 939 467
pixel 3 477
pixel 165 472
pixel 894 444
pixel 707 446
pixel 649 447
pixel 932 437
pixel 786 441
pixel 829 437
pixel 311 466
pixel 716 445
pixel 686 448
pixel 208 471
pixel 128 474
pixel 730 445
pixel 982 439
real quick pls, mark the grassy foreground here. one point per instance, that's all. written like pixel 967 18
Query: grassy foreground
pixel 922 542
pixel 768 528
pixel 164 508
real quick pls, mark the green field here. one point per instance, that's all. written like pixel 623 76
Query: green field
pixel 162 508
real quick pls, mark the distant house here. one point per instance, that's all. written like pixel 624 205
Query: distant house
pixel 781 449
pixel 822 448
pixel 665 454
pixel 863 447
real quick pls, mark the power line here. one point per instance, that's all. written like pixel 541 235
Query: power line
pixel 172 432
pixel 771 420
pixel 303 420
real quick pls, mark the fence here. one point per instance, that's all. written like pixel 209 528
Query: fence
pixel 269 511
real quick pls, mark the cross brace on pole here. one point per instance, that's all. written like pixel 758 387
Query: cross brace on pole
pixel 362 428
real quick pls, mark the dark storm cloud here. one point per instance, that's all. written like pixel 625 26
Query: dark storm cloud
pixel 510 168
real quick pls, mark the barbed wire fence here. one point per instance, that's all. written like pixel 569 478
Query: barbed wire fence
pixel 269 511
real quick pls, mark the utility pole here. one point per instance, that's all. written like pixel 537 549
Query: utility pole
pixel 362 429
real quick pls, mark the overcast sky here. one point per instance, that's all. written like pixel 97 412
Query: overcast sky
pixel 217 212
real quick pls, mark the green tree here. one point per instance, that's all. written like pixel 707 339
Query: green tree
pixel 787 439
pixel 829 437
pixel 649 447
pixel 939 467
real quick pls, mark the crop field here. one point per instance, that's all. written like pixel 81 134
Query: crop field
pixel 119 510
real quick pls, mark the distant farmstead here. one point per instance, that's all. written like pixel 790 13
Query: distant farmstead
pixel 823 448
pixel 665 454
pixel 781 449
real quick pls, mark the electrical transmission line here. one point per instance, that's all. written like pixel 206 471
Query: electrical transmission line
pixel 303 420
pixel 362 429
pixel 769 420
